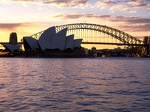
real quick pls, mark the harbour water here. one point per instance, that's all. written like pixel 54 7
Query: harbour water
pixel 75 85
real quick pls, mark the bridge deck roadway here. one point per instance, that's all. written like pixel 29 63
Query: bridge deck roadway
pixel 114 43
pixel 9 43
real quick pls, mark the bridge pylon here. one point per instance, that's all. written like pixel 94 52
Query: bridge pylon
pixel 146 41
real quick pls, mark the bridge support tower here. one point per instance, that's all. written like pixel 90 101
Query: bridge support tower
pixel 146 41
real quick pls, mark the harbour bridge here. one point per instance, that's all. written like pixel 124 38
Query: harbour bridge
pixel 97 34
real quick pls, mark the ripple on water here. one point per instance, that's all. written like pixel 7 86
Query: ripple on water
pixel 75 85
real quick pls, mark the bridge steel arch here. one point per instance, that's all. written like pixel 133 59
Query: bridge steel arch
pixel 115 33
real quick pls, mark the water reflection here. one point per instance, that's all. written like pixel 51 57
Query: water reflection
pixel 74 85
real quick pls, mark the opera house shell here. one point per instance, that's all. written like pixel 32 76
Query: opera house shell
pixel 50 40
pixel 11 47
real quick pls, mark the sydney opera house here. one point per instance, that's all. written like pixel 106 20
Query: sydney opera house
pixel 50 44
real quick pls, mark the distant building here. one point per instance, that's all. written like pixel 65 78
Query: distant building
pixel 13 38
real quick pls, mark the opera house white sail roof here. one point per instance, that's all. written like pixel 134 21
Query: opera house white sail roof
pixel 69 42
pixel 48 34
pixel 43 44
pixel 77 43
pixel 12 47
pixel 52 40
pixel 58 41
pixel 31 43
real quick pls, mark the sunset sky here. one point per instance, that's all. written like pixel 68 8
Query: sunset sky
pixel 27 17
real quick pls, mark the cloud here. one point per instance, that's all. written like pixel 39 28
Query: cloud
pixel 123 5
pixel 11 26
pixel 24 0
pixel 135 28
pixel 126 23
pixel 83 15
pixel 132 23
pixel 64 3
pixel 104 4
pixel 122 8
pixel 132 20
pixel 56 3
pixel 139 3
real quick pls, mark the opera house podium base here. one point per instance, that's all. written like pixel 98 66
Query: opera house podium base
pixel 76 53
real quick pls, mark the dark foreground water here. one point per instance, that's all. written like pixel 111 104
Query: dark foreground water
pixel 75 85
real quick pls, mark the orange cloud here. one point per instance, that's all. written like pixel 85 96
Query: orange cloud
pixel 123 5
pixel 11 26
pixel 126 23
pixel 23 0
pixel 8 26
pixel 22 29
pixel 57 3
